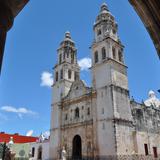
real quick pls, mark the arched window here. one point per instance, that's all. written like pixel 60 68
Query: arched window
pixel 114 53
pixel 67 54
pixel 72 58
pixel 120 56
pixel 56 76
pixel 114 31
pixel 96 57
pixel 88 111
pixel 76 76
pixel 99 32
pixel 77 112
pixel 102 110
pixel 69 74
pixel 61 73
pixel 60 59
pixel 33 151
pixel 40 153
pixel 66 116
pixel 103 53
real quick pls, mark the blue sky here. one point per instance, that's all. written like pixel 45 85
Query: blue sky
pixel 30 55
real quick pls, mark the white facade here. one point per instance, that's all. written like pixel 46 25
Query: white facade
pixel 93 122
pixel 39 150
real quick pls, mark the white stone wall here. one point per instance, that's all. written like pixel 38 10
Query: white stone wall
pixel 70 111
pixel 121 104
pixel 124 139
pixel 55 130
pixel 152 140
pixel 109 127
pixel 45 150
pixel 106 138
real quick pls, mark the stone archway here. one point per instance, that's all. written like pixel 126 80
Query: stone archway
pixel 77 148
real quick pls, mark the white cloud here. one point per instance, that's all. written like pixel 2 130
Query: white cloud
pixel 85 63
pixel 46 79
pixel 19 111
pixel 29 133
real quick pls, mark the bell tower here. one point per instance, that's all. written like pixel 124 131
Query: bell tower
pixel 109 79
pixel 66 71
pixel 107 50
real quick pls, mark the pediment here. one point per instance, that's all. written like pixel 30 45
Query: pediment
pixel 77 89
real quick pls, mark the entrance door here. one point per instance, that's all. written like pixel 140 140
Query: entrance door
pixel 77 148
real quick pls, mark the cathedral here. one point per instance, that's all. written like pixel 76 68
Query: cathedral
pixel 101 121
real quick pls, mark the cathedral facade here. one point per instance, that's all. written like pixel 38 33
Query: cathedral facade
pixel 100 122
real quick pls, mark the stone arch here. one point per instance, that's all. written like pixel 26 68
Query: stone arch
pixel 103 50
pixel 77 148
pixel 96 57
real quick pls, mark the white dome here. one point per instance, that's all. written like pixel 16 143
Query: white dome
pixel 104 8
pixel 152 100
pixel 67 34
pixel 151 94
